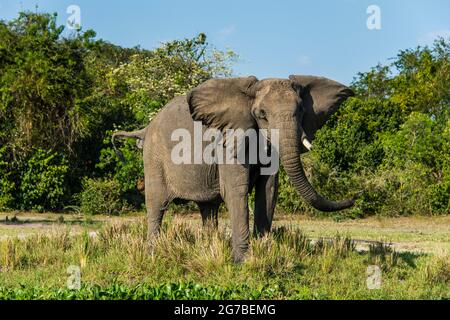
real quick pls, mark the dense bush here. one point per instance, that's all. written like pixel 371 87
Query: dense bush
pixel 419 153
pixel 7 185
pixel 101 196
pixel 43 80
pixel 43 181
pixel 126 172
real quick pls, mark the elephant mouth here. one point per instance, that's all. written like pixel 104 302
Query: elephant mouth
pixel 305 140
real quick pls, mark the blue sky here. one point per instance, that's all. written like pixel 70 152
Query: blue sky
pixel 273 38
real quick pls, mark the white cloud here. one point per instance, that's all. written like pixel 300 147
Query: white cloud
pixel 227 31
pixel 304 60
pixel 428 38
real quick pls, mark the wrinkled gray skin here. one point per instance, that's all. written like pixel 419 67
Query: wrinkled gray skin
pixel 297 106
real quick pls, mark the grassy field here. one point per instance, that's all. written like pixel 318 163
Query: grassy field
pixel 303 258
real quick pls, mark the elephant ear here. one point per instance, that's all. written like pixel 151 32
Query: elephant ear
pixel 223 103
pixel 321 98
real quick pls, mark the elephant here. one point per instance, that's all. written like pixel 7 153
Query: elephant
pixel 297 107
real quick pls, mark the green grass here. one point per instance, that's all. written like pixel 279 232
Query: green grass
pixel 169 291
pixel 188 263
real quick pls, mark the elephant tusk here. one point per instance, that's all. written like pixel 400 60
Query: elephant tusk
pixel 307 144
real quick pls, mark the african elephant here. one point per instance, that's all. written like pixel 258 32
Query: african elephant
pixel 297 106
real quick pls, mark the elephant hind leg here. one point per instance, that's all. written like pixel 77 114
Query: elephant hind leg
pixel 156 200
pixel 155 212
pixel 209 212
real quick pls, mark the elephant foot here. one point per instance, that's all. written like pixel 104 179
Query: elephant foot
pixel 239 256
pixel 238 259
pixel 152 242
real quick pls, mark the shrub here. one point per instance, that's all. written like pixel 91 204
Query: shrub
pixel 43 181
pixel 349 141
pixel 129 174
pixel 6 193
pixel 440 198
pixel 101 196
pixel 126 172
pixel 416 160
pixel 7 185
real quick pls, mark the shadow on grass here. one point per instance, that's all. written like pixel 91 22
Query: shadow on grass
pixel 385 254
pixel 410 257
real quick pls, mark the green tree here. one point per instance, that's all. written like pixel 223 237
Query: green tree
pixel 42 80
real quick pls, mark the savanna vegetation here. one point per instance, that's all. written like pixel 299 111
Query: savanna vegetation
pixel 62 97
pixel 188 263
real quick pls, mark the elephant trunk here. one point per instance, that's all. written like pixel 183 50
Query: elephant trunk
pixel 290 140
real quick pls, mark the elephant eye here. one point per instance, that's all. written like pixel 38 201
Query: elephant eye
pixel 262 114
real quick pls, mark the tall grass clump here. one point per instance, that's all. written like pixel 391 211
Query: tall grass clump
pixel 437 271
pixel 279 253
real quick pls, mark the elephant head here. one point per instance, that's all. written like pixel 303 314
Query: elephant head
pixel 297 106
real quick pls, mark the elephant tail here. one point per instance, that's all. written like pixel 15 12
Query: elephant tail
pixel 139 135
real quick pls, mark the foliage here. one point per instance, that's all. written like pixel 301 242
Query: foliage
pixel 42 79
pixel 101 196
pixel 173 69
pixel 7 185
pixel 420 154
pixel 43 181
pixel 126 172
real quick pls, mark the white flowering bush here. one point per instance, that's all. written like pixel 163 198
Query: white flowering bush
pixel 154 77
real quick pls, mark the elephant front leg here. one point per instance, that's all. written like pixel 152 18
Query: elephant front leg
pixel 266 192
pixel 234 190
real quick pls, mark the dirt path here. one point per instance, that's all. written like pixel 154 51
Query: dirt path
pixel 414 234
